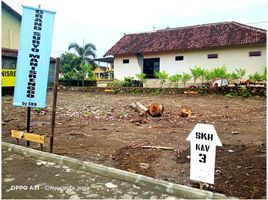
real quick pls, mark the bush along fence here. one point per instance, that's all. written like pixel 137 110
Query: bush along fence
pixel 78 82
pixel 245 91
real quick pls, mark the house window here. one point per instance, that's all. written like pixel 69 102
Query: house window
pixel 254 53
pixel 151 66
pixel 213 55
pixel 179 58
pixel 125 61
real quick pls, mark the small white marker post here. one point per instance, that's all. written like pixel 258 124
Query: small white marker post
pixel 204 140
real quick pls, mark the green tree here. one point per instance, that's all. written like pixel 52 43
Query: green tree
pixel 86 55
pixel 197 72
pixel 68 63
pixel 185 77
pixel 85 72
pixel 241 73
pixel 175 79
pixel 162 76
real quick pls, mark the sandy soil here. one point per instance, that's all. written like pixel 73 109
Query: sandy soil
pixel 103 128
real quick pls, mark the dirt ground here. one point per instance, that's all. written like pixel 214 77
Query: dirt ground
pixel 103 128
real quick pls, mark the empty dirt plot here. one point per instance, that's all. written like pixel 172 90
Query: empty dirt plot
pixel 103 128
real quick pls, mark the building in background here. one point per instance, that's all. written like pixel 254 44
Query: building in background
pixel 104 72
pixel 11 22
pixel 176 50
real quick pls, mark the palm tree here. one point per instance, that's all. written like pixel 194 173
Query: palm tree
pixel 85 54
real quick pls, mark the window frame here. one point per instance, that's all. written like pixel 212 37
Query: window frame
pixel 212 56
pixel 125 61
pixel 178 58
pixel 254 53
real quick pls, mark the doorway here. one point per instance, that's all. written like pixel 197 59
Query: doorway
pixel 150 66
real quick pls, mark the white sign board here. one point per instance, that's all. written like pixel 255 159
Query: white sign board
pixel 204 140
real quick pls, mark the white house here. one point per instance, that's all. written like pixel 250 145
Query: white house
pixel 176 50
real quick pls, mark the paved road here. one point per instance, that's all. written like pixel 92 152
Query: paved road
pixel 28 178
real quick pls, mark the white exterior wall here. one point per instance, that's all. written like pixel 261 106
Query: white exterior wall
pixel 126 70
pixel 232 58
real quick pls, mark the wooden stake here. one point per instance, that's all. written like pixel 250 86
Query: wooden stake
pixel 55 92
pixel 157 147
pixel 201 185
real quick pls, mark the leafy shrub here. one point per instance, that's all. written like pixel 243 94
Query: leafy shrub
pixel 162 76
pixel 185 77
pixel 219 73
pixel 256 77
pixel 141 77
pixel 198 72
pixel 175 79
pixel 241 73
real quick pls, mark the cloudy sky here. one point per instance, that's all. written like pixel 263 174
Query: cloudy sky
pixel 104 22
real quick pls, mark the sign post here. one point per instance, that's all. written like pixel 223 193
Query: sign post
pixel 204 140
pixel 33 59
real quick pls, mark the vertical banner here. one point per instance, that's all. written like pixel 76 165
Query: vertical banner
pixel 33 57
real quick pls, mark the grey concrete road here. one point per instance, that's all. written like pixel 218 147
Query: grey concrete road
pixel 28 178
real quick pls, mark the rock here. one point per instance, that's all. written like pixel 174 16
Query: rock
pixel 136 187
pixel 144 165
pixel 93 196
pixel 75 196
pixel 69 191
pixel 171 198
pixel 235 132
pixel 51 163
pixel 185 112
pixel 110 185
pixel 126 196
pixel 7 180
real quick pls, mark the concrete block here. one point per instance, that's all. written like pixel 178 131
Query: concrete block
pixel 72 162
pixel 180 191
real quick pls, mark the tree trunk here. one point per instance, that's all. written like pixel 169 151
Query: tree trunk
pixel 156 110
pixel 83 82
pixel 138 107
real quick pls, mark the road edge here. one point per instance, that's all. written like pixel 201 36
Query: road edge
pixel 180 191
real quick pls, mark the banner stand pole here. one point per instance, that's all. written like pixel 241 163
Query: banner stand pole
pixel 54 103
pixel 28 123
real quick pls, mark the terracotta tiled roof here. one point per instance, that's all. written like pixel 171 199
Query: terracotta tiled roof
pixel 207 36
pixel 13 53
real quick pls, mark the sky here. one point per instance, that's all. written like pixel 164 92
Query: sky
pixel 104 22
